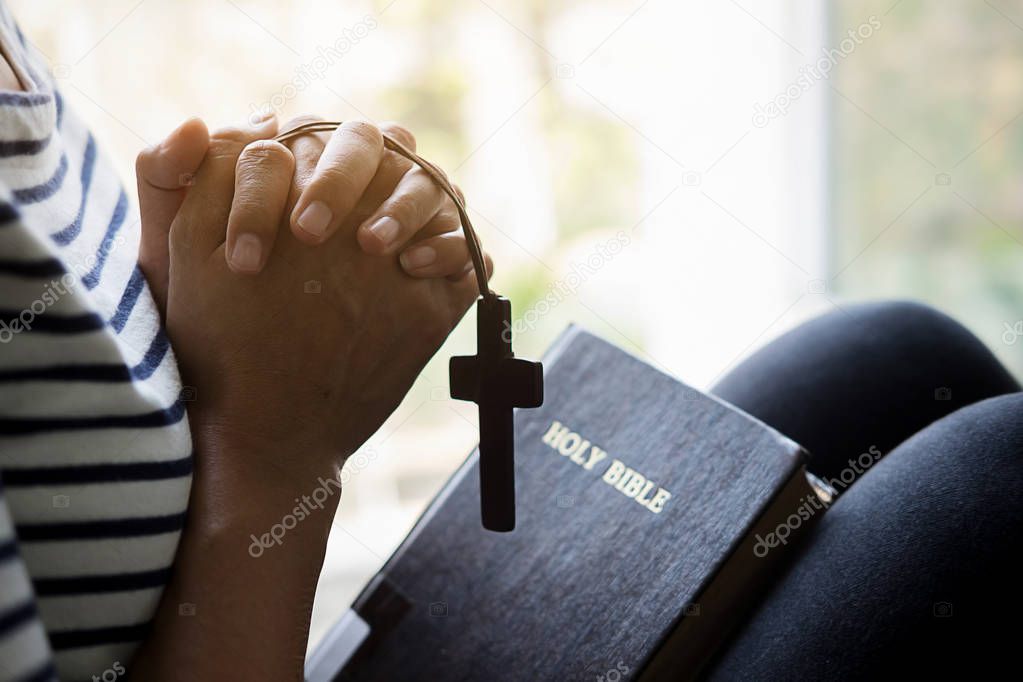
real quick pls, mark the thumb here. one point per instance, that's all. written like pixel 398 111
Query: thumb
pixel 164 172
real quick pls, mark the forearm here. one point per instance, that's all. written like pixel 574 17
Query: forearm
pixel 239 608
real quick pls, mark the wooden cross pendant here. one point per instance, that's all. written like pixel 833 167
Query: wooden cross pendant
pixel 497 381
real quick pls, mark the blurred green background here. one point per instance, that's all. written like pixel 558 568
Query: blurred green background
pixel 927 157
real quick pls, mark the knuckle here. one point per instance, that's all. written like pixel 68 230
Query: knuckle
pixel 337 178
pixel 265 152
pixel 405 207
pixel 447 224
pixel 224 147
pixel 455 240
pixel 301 179
pixel 426 186
pixel 448 217
pixel 233 134
pixel 394 165
pixel 457 264
pixel 367 132
pixel 260 172
pixel 251 190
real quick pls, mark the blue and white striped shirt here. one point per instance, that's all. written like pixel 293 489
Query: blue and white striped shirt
pixel 95 451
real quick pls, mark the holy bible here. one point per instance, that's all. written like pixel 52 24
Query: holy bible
pixel 651 516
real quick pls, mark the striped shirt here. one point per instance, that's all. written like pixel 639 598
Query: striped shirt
pixel 95 451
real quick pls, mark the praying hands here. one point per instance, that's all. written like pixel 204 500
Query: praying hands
pixel 304 287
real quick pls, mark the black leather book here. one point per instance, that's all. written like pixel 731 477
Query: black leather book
pixel 650 518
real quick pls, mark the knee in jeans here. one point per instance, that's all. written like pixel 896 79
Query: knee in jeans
pixel 920 320
pixel 932 347
pixel 995 429
pixel 978 452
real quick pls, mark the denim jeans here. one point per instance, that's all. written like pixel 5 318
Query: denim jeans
pixel 914 568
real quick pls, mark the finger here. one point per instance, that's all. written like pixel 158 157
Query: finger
pixel 399 133
pixel 466 286
pixel 348 164
pixel 261 185
pixel 390 172
pixel 446 255
pixel 306 149
pixel 163 173
pixel 201 224
pixel 415 200
pixel 469 274
pixel 445 220
pixel 488 263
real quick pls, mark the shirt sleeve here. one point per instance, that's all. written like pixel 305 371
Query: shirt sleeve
pixel 25 652
pixel 24 648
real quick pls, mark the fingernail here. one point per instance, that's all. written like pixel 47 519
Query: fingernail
pixel 385 229
pixel 246 254
pixel 315 219
pixel 418 257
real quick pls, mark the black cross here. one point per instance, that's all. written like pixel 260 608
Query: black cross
pixel 497 381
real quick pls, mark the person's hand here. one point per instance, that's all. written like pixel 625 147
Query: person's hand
pixel 293 368
pixel 296 367
pixel 429 236
pixel 345 181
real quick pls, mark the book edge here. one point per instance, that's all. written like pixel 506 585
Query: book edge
pixel 672 660
pixel 782 439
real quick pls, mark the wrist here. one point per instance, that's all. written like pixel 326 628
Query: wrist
pixel 254 450
pixel 248 536
pixel 241 488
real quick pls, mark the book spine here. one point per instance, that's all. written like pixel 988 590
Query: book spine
pixel 730 594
